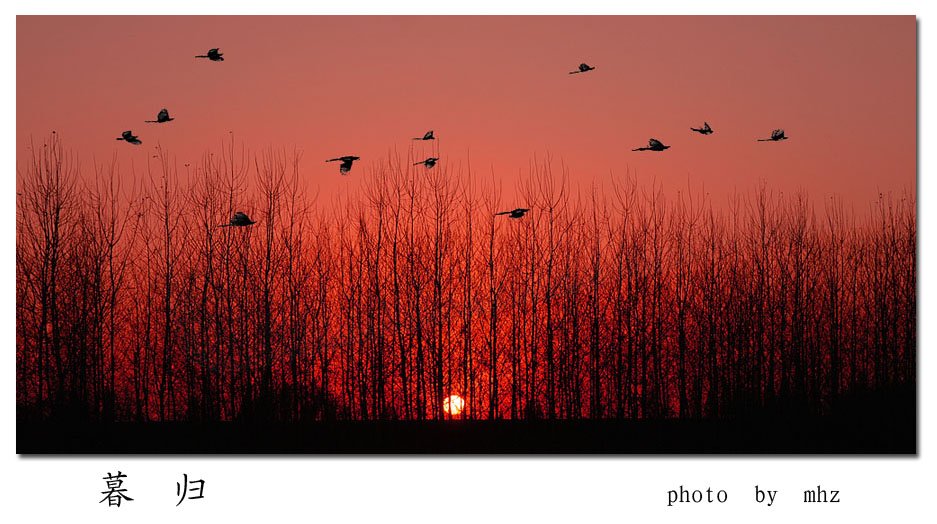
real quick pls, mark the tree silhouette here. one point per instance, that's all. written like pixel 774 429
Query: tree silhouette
pixel 633 303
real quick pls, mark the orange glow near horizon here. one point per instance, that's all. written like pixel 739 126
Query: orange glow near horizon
pixel 453 405
pixel 495 90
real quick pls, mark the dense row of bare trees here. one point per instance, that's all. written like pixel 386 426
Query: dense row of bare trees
pixel 625 303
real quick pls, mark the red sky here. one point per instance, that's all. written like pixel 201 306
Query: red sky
pixel 495 90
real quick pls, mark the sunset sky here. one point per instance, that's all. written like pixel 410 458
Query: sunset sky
pixel 496 90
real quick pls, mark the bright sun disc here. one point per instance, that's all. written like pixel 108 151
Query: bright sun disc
pixel 453 404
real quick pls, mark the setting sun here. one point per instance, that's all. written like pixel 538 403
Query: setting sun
pixel 453 404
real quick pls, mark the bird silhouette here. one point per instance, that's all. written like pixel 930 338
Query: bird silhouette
pixel 163 116
pixel 346 163
pixel 427 136
pixel 212 55
pixel 128 136
pixel 240 219
pixel 429 162
pixel 652 145
pixel 777 134
pixel 514 213
pixel 705 130
pixel 583 67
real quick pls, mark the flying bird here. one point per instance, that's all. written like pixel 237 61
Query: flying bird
pixel 163 116
pixel 238 220
pixel 128 136
pixel 427 136
pixel 515 213
pixel 212 55
pixel 429 162
pixel 705 130
pixel 346 163
pixel 652 145
pixel 777 134
pixel 583 67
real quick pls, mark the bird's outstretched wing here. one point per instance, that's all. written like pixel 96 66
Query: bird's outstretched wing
pixel 504 213
pixel 777 133
pixel 163 114
pixel 213 51
pixel 654 143
pixel 706 126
